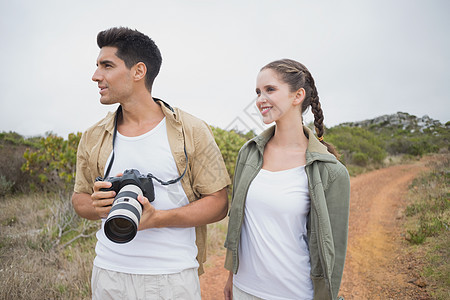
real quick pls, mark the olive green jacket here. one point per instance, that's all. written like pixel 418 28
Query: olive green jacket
pixel 329 188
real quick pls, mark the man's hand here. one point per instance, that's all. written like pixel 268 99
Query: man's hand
pixel 102 201
pixel 209 209
pixel 149 214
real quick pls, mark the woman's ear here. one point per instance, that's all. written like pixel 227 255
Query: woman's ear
pixel 140 70
pixel 300 95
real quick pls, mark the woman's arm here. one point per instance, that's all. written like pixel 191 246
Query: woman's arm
pixel 338 201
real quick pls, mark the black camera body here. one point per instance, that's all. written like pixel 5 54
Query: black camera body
pixel 123 219
pixel 131 176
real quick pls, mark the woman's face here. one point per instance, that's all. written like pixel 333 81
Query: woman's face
pixel 274 97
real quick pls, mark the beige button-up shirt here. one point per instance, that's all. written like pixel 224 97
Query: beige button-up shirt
pixel 206 172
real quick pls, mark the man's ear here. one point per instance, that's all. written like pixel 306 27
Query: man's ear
pixel 140 70
pixel 300 95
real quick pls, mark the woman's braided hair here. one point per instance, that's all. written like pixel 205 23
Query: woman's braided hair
pixel 297 76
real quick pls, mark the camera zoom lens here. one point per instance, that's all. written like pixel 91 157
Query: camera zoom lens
pixel 121 226
pixel 122 222
pixel 120 229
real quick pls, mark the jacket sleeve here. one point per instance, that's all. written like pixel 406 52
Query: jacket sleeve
pixel 338 201
pixel 237 172
pixel 208 169
pixel 229 259
pixel 83 176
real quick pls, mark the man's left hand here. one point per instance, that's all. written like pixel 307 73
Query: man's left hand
pixel 148 218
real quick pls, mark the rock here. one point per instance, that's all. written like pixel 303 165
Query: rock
pixel 419 282
pixel 405 120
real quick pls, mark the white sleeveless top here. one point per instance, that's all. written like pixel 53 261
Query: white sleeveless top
pixel 155 250
pixel 273 252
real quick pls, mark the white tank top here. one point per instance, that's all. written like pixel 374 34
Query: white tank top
pixel 273 252
pixel 156 250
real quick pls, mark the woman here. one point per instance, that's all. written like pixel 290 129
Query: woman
pixel 287 231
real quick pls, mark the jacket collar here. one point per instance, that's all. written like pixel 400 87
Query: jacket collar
pixel 108 122
pixel 171 114
pixel 315 151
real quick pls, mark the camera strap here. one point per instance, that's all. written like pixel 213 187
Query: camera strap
pixel 149 175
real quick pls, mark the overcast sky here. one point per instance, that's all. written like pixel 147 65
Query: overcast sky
pixel 368 58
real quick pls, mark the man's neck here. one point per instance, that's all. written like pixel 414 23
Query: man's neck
pixel 139 115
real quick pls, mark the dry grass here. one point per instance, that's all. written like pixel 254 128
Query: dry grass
pixel 32 266
pixel 33 262
pixel 428 220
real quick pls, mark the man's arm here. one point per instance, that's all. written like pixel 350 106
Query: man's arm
pixel 95 206
pixel 82 203
pixel 210 208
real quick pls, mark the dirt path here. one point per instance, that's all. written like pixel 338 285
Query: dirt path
pixel 377 264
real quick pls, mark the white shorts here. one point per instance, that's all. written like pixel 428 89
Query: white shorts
pixel 107 284
pixel 239 294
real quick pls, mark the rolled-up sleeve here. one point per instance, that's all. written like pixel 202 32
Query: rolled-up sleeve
pixel 83 177
pixel 208 168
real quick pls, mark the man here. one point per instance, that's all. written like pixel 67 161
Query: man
pixel 165 257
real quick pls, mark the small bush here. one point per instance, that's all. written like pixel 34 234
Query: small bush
pixel 12 147
pixel 430 227
pixel 360 159
pixel 63 226
pixel 357 145
pixel 230 142
pixel 5 186
pixel 430 206
pixel 416 237
pixel 427 224
pixel 53 165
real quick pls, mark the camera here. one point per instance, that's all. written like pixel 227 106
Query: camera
pixel 123 219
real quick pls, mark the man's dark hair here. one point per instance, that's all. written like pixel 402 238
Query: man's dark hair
pixel 133 47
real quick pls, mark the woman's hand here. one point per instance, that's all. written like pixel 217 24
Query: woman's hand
pixel 228 290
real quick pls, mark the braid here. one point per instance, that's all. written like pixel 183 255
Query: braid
pixel 313 100
pixel 318 115
pixel 317 111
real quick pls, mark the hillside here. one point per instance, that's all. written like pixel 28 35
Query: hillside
pixel 365 144
pixel 372 142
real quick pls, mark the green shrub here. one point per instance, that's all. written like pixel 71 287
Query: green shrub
pixel 417 146
pixel 229 142
pixel 12 147
pixel 357 145
pixel 360 159
pixel 427 224
pixel 53 164
pixel 5 186
pixel 17 139
pixel 413 141
pixel 416 237
pixel 430 205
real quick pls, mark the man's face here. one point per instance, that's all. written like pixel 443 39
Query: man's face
pixel 114 79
